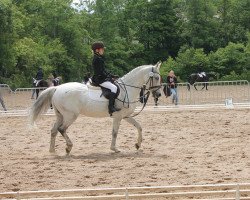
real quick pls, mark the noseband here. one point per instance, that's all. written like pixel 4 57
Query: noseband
pixel 150 80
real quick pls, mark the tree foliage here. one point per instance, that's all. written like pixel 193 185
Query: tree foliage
pixel 186 34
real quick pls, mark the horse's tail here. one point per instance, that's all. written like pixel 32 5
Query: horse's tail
pixel 42 104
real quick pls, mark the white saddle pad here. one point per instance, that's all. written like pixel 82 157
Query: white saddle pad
pixel 95 93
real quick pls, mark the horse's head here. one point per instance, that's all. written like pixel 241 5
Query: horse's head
pixel 212 75
pixel 153 80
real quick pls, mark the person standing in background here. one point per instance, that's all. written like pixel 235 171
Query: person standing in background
pixel 172 82
pixel 39 76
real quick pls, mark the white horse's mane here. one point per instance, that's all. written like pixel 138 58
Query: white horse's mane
pixel 132 72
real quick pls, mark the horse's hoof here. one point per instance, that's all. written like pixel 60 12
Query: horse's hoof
pixel 52 151
pixel 115 150
pixel 137 146
pixel 68 151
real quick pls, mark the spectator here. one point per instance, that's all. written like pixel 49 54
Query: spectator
pixel 56 79
pixel 172 82
pixel 39 76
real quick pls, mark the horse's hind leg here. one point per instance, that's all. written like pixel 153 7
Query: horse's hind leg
pixel 68 119
pixel 132 121
pixel 54 131
pixel 204 85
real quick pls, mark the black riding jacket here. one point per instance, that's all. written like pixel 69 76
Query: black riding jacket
pixel 39 75
pixel 100 73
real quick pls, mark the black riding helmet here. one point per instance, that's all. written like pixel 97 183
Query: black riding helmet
pixel 97 45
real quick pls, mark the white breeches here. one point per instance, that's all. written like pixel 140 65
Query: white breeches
pixel 110 86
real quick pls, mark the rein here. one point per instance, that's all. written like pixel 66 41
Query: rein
pixel 144 95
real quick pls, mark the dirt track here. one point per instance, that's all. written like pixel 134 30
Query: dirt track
pixel 179 147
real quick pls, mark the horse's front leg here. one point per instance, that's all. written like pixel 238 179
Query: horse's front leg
pixel 204 85
pixel 156 101
pixel 132 121
pixel 116 125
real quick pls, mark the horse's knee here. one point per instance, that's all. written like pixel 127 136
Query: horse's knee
pixel 53 133
pixel 114 133
pixel 139 128
pixel 61 130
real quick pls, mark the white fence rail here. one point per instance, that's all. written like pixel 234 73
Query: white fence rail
pixel 201 192
pixel 218 94
pixel 218 91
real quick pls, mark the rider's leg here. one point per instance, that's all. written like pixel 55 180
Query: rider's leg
pixel 113 89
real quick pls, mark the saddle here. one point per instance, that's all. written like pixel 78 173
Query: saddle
pixel 36 82
pixel 104 91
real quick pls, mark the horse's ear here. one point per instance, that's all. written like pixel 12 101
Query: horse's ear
pixel 158 65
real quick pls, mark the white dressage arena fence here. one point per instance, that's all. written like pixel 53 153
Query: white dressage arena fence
pixel 220 94
pixel 233 191
pixel 18 100
pixel 220 91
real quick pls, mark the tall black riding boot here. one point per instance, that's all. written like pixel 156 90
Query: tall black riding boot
pixel 112 103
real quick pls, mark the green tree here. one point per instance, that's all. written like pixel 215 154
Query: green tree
pixel 199 24
pixel 6 40
pixel 233 57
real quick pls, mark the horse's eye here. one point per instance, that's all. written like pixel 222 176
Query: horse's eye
pixel 157 78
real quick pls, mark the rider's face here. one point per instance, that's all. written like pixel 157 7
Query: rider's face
pixel 100 51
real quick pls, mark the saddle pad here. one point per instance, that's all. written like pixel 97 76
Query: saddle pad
pixel 94 93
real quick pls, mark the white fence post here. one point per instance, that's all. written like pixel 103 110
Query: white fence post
pixel 126 194
pixel 237 197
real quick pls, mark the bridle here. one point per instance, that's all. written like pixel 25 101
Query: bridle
pixel 144 91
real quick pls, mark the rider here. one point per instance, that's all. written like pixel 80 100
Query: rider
pixel 101 76
pixel 201 72
pixel 39 74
